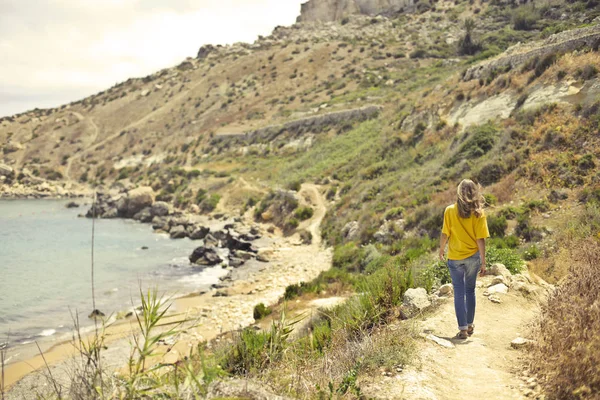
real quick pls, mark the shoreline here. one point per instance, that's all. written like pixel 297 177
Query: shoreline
pixel 223 309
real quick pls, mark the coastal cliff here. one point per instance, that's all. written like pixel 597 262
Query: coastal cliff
pixel 334 10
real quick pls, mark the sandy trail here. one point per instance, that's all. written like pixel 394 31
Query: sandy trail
pixel 481 367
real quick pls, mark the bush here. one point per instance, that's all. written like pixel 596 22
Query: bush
pixel 509 257
pixel 418 53
pixel 491 173
pixel 210 203
pixel 394 213
pixel 587 72
pixel 531 253
pixel 507 242
pixel 200 196
pixel 525 18
pixel 481 140
pixel 348 257
pixel 568 351
pixel 303 213
pixel 261 311
pixel 525 230
pixel 497 225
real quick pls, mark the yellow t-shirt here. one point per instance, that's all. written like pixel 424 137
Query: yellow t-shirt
pixel 463 233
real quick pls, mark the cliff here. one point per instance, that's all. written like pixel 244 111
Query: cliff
pixel 334 10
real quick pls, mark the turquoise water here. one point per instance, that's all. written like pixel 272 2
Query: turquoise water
pixel 45 253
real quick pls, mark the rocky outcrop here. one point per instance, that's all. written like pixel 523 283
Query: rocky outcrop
pixel 519 54
pixel 302 126
pixel 136 201
pixel 335 10
pixel 205 255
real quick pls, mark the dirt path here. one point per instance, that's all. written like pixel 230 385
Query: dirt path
pixel 481 367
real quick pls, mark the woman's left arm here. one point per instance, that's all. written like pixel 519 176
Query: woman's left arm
pixel 481 246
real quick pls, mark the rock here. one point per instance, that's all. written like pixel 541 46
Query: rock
pixel 220 235
pixel 233 243
pixel 144 215
pixel 96 314
pixel 501 270
pixel 520 343
pixel 494 299
pixel 499 288
pixel 262 258
pixel 498 279
pixel 415 301
pixel 199 232
pixel 161 209
pixel 137 200
pixel 442 342
pixel 220 294
pixel 204 51
pixel 446 290
pixel 144 247
pixel 178 232
pixel 72 204
pixel 110 213
pixel 6 171
pixel 205 255
pixel 388 232
pixel 194 209
pixel 160 223
pixel 11 147
pixel 209 239
pixel 244 255
pixel 350 230
pixel 240 389
pixel 236 262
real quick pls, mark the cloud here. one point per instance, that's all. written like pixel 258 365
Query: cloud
pixel 57 51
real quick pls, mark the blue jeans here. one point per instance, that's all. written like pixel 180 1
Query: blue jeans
pixel 464 277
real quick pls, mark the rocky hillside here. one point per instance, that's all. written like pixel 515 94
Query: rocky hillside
pixel 388 110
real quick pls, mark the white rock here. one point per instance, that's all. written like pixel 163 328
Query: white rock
pixel 495 299
pixel 520 343
pixel 415 300
pixel 499 269
pixel 499 288
pixel 442 342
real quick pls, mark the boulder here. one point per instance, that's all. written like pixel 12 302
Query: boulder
pixel 388 232
pixel 236 262
pixel 446 290
pixel 72 204
pixel 136 201
pixel 7 171
pixel 110 213
pixel 499 279
pixel 205 255
pixel 11 147
pixel 415 301
pixel 199 232
pixel 209 239
pixel 178 232
pixel 144 216
pixel 500 270
pixel 160 223
pixel 499 288
pixel 350 230
pixel 161 209
pixel 233 243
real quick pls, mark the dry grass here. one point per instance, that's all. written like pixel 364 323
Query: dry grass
pixel 568 355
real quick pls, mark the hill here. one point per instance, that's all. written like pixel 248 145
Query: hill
pixel 386 104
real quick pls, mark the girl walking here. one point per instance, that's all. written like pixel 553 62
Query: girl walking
pixel 465 230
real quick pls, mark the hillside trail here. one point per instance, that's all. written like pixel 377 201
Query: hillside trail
pixel 485 366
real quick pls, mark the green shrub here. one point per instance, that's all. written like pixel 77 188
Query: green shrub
pixel 525 230
pixel 373 171
pixel 294 185
pixel 490 199
pixel 481 140
pixel 497 225
pixel 587 72
pixel 531 253
pixel 394 213
pixel 210 203
pixel 261 311
pixel 348 257
pixel 435 274
pixel 418 53
pixel 507 242
pixel 429 218
pixel 525 18
pixel 200 196
pixel 509 257
pixel 509 212
pixel 291 224
pixel 247 354
pixel 304 213
pixel 491 173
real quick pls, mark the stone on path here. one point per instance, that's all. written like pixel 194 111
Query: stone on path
pixel 495 299
pixel 520 343
pixel 442 342
pixel 499 288
pixel 501 270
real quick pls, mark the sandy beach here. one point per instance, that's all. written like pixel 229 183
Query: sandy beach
pixel 287 261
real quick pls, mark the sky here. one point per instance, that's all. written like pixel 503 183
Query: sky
pixel 57 51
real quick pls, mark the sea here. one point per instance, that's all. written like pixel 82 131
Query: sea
pixel 46 276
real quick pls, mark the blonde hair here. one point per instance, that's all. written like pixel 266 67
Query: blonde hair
pixel 470 200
